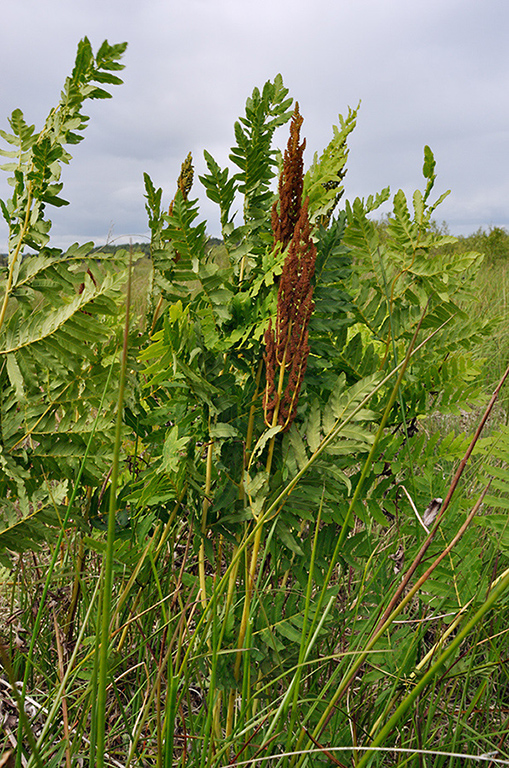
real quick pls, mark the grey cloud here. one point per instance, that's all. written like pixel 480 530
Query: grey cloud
pixel 428 72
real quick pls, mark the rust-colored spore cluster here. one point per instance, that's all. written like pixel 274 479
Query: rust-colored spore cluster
pixel 290 185
pixel 286 345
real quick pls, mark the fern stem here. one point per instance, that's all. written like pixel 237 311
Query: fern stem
pixel 391 301
pixel 156 315
pixel 304 642
pixel 15 257
pixel 252 413
pixel 275 415
pixel 233 574
pixel 60 669
pixel 205 509
pixel 76 587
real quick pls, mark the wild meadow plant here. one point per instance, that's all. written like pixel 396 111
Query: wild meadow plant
pixel 230 538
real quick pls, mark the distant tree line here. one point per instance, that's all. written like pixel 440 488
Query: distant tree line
pixel 213 242
pixel 494 243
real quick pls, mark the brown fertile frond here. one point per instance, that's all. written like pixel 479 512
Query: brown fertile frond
pixel 290 185
pixel 286 345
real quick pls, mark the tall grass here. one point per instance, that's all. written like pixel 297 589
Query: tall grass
pixel 493 292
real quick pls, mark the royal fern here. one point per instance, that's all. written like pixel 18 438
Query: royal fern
pixel 59 322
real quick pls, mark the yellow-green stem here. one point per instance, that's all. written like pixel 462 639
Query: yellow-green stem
pixel 15 257
pixel 233 574
pixel 252 412
pixel 156 314
pixel 229 599
pixel 205 509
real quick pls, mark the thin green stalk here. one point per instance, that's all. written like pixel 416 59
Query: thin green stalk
pixel 389 300
pixel 23 719
pixel 457 737
pixel 252 413
pixel 233 574
pixel 110 541
pixel 169 716
pixel 15 257
pixel 211 730
pixel 250 577
pixel 205 509
pixel 286 700
pixel 150 698
pixel 303 642
pixel 245 645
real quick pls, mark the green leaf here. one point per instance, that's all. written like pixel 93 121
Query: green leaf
pixel 428 168
pixel 297 444
pixel 221 430
pixel 323 181
pixel 264 438
pixel 172 451
pixel 313 430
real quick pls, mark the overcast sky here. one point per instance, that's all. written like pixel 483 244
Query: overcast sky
pixel 426 71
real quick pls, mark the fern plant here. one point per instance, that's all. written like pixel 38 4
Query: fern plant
pixel 59 324
pixel 370 291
